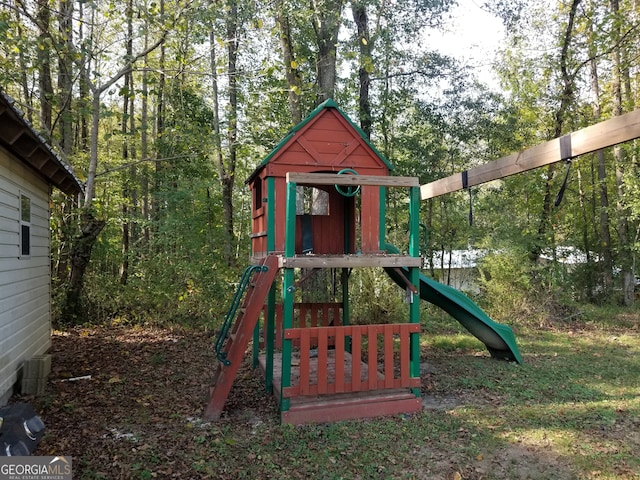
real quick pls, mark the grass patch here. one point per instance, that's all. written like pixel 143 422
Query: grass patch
pixel 571 411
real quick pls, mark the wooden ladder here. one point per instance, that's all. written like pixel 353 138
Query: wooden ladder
pixel 237 340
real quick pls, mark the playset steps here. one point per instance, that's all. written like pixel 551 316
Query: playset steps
pixel 348 406
pixel 231 345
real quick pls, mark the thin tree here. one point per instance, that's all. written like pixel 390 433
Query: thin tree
pixel 292 75
pixel 567 90
pixel 627 274
pixel 606 268
pixel 365 62
pixel 90 224
pixel 326 24
pixel 65 75
pixel 43 20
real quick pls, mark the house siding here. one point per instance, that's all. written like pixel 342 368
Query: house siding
pixel 25 281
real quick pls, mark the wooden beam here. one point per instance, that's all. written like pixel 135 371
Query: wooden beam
pixel 601 135
pixel 349 261
pixel 354 180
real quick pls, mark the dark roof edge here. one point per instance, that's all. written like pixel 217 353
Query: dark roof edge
pixel 71 184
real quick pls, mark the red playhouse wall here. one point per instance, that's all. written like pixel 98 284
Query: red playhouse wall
pixel 325 142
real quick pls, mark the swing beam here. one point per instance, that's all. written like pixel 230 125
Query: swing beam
pixel 601 135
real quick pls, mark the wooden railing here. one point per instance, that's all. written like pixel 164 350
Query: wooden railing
pixel 308 315
pixel 325 370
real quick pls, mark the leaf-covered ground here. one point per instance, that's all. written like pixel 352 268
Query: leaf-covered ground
pixel 126 403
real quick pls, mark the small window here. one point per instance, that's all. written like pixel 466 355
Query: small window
pixel 25 226
pixel 257 194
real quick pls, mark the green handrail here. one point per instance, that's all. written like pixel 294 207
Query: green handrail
pixel 233 310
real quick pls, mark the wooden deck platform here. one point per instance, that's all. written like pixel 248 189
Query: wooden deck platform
pixel 339 406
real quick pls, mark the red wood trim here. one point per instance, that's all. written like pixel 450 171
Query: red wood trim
pixel 389 374
pixel 347 330
pixel 322 361
pixel 356 352
pixel 304 362
pixel 344 154
pixel 301 310
pixel 306 145
pixel 337 380
pixel 340 383
pixel 404 355
pixel 372 347
pixel 332 411
pixel 370 219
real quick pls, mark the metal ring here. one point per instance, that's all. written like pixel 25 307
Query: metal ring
pixel 350 191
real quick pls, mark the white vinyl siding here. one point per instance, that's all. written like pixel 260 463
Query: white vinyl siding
pixel 25 281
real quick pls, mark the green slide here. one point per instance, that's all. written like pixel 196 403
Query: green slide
pixel 499 338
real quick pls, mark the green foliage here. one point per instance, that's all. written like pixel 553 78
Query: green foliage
pixel 537 294
pixel 430 117
pixel 375 298
pixel 506 283
pixel 191 291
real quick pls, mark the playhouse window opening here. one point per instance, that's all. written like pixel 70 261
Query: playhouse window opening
pixel 257 194
pixel 312 201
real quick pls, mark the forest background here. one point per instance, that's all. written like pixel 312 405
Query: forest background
pixel 164 108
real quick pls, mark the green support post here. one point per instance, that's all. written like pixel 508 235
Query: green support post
pixel 345 274
pixel 288 291
pixel 414 274
pixel 270 322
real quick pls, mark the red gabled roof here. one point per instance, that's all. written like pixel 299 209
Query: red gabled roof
pixel 325 140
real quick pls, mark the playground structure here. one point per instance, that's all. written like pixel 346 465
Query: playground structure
pixel 319 205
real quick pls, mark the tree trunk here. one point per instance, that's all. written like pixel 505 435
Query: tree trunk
pixel 606 266
pixel 159 123
pixel 44 64
pixel 83 87
pixel 65 75
pixel 80 256
pixel 127 149
pixel 290 65
pixel 566 98
pixel 217 135
pixel 228 170
pixel 24 68
pixel 144 149
pixel 365 64
pixel 326 23
pixel 626 263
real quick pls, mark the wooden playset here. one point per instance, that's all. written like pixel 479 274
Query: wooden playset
pixel 318 205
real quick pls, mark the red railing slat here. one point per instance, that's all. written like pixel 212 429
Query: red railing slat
pixel 340 383
pixel 331 375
